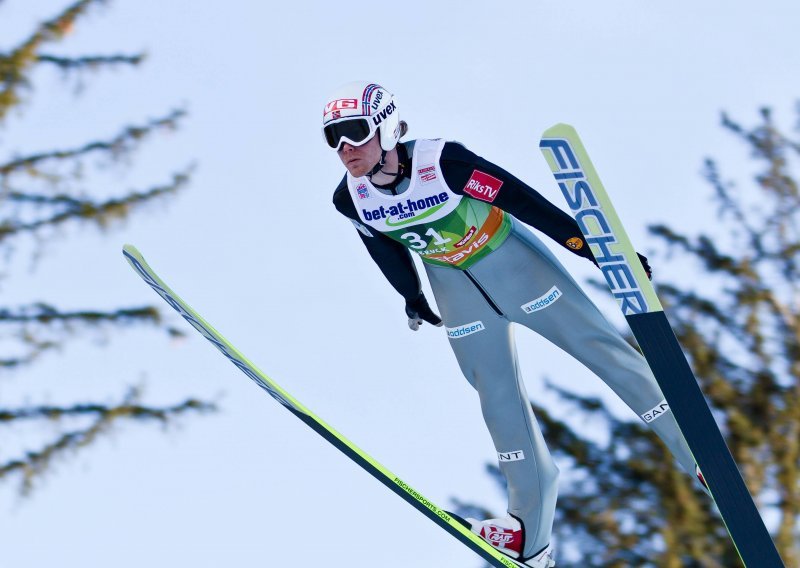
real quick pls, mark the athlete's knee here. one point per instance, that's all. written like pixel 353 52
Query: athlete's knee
pixel 485 378
pixel 470 374
pixel 501 402
pixel 551 474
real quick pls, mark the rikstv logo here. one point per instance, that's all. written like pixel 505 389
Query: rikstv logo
pixel 483 186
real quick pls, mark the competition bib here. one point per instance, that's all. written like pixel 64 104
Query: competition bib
pixel 444 228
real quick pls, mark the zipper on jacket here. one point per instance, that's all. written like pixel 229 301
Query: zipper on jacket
pixel 484 293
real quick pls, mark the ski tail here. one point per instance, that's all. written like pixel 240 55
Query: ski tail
pixel 592 208
pixel 360 457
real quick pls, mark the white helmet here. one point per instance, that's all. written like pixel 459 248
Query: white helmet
pixel 356 111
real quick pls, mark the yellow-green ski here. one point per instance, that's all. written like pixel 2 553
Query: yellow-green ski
pixel 396 484
pixel 604 233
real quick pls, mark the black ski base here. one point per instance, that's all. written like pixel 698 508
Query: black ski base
pixel 671 369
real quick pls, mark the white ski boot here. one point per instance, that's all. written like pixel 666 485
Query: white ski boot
pixel 506 535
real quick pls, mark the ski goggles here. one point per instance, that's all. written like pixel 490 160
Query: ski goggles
pixel 354 131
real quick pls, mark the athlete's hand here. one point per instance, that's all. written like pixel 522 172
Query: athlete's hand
pixel 418 311
pixel 643 259
pixel 646 266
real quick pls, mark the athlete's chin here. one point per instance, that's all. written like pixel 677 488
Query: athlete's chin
pixel 358 168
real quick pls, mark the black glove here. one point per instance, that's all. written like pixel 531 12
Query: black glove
pixel 646 266
pixel 418 310
pixel 642 259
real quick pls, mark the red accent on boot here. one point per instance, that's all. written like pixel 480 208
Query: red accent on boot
pixel 504 540
pixel 700 477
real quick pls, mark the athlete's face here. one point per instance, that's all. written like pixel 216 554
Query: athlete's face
pixel 359 160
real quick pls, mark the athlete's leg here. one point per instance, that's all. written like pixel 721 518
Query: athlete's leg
pixel 560 311
pixel 482 341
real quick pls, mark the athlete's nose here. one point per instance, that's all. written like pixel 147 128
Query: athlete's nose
pixel 346 147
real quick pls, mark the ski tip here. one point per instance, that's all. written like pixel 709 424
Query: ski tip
pixel 558 130
pixel 130 253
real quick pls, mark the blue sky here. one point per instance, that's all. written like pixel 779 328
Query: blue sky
pixel 256 247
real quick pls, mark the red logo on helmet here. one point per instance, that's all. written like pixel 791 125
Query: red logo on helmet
pixel 340 105
pixel 483 186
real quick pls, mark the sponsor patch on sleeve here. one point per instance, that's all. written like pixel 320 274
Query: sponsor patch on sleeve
pixel 483 186
pixel 575 243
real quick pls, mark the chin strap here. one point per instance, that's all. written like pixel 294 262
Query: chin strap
pixel 379 165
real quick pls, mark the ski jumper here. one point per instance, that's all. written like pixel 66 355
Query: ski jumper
pixel 461 214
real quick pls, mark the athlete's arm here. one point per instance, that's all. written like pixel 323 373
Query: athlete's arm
pixel 394 260
pixel 391 256
pixel 461 167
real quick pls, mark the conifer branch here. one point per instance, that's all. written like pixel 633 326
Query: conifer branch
pixel 34 464
pixel 41 328
pixel 16 65
pixel 91 61
pixel 48 315
pixel 101 213
pixel 123 143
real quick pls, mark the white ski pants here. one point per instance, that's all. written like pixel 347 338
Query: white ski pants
pixel 522 282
